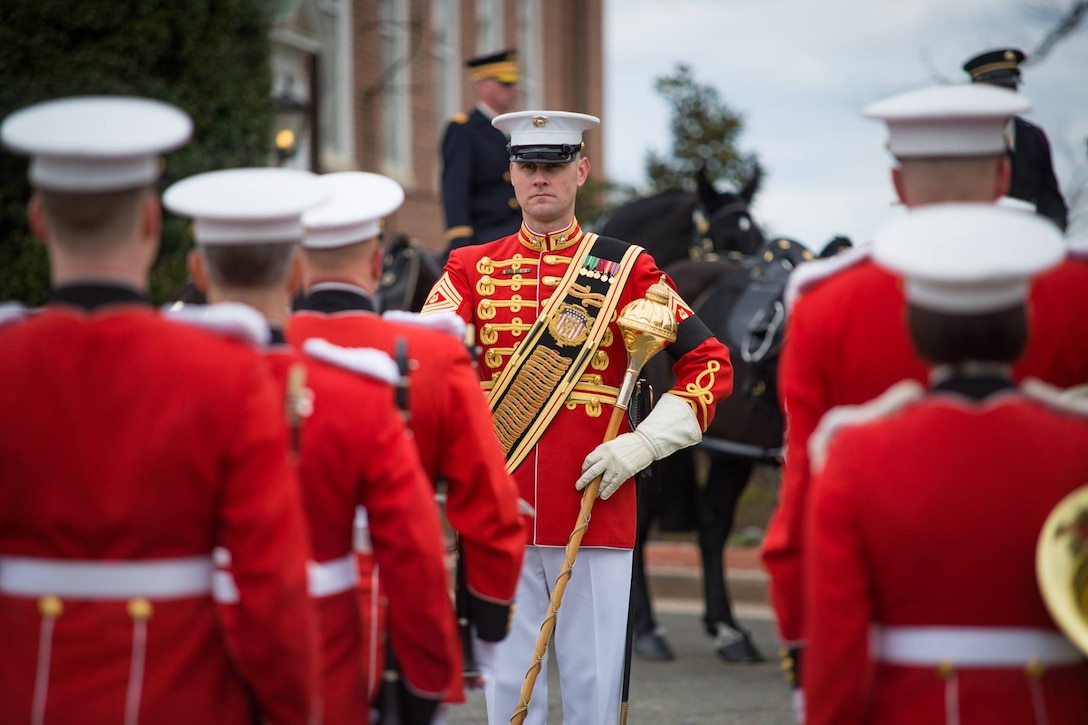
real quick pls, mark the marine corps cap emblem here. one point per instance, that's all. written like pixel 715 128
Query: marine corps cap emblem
pixel 539 121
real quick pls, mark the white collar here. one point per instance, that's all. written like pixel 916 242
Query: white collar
pixel 340 287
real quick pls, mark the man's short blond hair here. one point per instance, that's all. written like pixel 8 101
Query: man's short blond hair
pixel 248 266
pixel 334 259
pixel 82 222
pixel 949 179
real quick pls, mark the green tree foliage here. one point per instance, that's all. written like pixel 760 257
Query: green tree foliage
pixel 599 197
pixel 209 57
pixel 704 132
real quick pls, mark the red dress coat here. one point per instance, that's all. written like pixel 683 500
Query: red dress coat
pixel 451 426
pixel 353 450
pixel 128 438
pixel 498 288
pixel 846 342
pixel 926 514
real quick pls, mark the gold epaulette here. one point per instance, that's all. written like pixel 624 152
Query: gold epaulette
pixel 459 118
pixel 457 233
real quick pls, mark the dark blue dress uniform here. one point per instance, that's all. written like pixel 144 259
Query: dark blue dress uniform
pixel 1033 178
pixel 476 192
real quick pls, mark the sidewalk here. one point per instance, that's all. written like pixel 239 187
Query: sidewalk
pixel 675 572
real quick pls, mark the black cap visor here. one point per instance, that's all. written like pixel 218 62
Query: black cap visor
pixel 544 154
pixel 1003 77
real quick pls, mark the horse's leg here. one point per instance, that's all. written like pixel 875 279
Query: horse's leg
pixel 648 643
pixel 716 512
pixel 726 481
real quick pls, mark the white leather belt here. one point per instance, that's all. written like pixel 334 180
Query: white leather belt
pixel 151 578
pixel 972 646
pixel 324 579
pixel 361 529
pixel 333 576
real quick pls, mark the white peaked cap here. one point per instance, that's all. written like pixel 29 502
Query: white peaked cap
pixel 246 206
pixel 96 143
pixel 531 130
pixel 1009 202
pixel 940 121
pixel 967 258
pixel 357 203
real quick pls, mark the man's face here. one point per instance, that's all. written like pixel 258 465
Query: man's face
pixel 546 192
pixel 499 96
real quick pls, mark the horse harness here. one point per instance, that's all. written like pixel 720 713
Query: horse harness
pixel 745 309
pixel 755 319
pixel 408 271
pixel 702 245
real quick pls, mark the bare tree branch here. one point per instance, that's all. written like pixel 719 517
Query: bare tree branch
pixel 1075 187
pixel 1067 21
pixel 414 28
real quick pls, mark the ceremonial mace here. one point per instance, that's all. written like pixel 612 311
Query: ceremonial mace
pixel 646 324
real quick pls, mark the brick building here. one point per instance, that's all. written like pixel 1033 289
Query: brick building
pixel 377 80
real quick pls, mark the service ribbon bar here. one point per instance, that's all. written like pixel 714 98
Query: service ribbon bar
pixel 598 268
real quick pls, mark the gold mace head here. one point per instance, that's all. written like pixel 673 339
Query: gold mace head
pixel 647 324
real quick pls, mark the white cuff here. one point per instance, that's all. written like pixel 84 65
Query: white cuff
pixel 670 426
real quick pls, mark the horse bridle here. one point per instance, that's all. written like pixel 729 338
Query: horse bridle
pixel 702 245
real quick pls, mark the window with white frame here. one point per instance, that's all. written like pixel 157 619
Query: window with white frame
pixel 446 57
pixel 489 26
pixel 395 30
pixel 531 53
pixel 336 78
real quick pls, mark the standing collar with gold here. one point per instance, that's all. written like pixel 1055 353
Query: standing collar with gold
pixel 561 239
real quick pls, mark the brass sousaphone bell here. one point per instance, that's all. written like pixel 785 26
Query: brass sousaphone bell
pixel 1061 566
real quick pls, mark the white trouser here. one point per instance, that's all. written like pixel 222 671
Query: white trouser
pixel 590 633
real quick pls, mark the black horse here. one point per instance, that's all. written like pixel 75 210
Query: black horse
pixel 741 303
pixel 736 289
pixel 704 224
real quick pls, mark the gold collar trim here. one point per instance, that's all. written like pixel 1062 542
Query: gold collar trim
pixel 554 241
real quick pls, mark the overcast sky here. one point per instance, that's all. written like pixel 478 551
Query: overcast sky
pixel 800 71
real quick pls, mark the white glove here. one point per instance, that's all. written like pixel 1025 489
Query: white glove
pixel 616 461
pixel 670 426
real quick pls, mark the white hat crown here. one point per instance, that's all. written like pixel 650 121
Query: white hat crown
pixel 246 206
pixel 559 130
pixel 356 204
pixel 967 258
pixel 96 143
pixel 944 121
